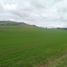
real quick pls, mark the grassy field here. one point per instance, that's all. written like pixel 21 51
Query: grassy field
pixel 32 47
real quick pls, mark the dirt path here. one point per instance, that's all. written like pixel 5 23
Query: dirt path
pixel 54 63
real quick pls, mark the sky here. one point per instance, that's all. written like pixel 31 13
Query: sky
pixel 45 13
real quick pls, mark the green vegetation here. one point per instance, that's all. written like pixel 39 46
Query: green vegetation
pixel 32 47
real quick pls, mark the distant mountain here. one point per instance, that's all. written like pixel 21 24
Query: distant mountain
pixel 13 23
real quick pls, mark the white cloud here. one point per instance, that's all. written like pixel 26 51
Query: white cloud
pixel 9 7
pixel 51 13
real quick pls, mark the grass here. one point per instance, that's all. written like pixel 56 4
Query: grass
pixel 32 47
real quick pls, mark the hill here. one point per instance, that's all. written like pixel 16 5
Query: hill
pixel 11 23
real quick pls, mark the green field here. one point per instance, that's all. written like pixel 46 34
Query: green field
pixel 32 47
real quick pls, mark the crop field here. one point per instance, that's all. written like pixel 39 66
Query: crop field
pixel 32 47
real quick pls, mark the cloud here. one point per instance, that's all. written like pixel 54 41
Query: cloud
pixel 46 13
pixel 9 7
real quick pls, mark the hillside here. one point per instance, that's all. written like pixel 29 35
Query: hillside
pixel 12 23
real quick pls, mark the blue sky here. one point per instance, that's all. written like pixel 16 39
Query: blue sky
pixel 45 13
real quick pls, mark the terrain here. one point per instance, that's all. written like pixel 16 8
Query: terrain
pixel 30 46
